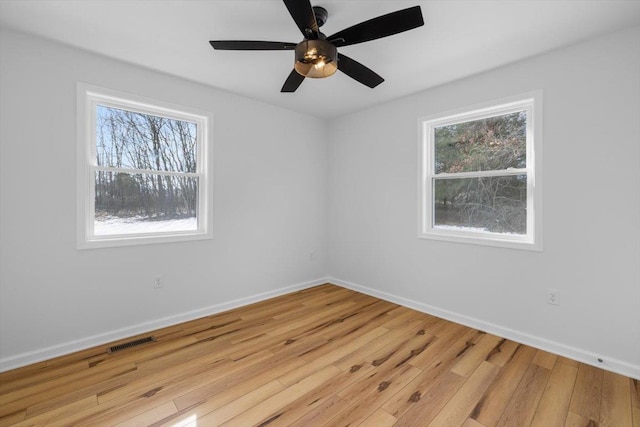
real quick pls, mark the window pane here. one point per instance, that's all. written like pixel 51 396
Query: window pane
pixel 494 143
pixel 488 204
pixel 144 203
pixel 125 139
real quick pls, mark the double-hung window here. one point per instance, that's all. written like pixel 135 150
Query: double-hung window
pixel 479 180
pixel 143 170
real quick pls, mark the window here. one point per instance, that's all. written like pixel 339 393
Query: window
pixel 143 170
pixel 479 182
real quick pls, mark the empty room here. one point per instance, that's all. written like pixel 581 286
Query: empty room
pixel 326 213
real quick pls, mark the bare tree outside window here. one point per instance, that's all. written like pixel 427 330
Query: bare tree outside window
pixel 143 181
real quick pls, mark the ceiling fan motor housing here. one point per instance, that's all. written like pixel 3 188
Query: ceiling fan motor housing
pixel 321 15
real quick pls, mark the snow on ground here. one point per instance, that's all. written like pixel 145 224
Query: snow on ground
pixel 472 229
pixel 113 225
pixel 135 225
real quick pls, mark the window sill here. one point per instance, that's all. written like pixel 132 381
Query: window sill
pixel 118 241
pixel 484 240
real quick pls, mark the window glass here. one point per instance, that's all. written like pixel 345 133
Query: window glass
pixel 496 204
pixel 144 203
pixel 127 139
pixel 479 145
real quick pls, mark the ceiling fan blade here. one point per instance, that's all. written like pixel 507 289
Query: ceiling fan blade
pixel 382 26
pixel 357 71
pixel 250 45
pixel 302 13
pixel 293 82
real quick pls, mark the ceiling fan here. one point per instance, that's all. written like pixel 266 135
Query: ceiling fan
pixel 316 56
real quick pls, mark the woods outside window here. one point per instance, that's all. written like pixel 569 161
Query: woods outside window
pixel 142 170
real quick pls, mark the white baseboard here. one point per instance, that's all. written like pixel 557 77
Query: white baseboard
pixel 613 365
pixel 25 359
pixel 580 355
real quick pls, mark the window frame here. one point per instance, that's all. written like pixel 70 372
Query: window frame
pixel 531 103
pixel 88 98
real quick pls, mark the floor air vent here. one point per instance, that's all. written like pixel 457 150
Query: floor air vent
pixel 130 344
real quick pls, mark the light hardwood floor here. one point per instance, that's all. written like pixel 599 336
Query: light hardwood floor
pixel 321 356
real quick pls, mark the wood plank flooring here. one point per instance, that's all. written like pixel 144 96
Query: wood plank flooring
pixel 321 356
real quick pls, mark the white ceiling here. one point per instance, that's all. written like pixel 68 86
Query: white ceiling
pixel 459 38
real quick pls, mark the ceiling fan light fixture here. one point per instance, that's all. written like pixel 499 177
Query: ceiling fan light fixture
pixel 316 58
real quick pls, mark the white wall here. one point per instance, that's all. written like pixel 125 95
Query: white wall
pixel 591 174
pixel 270 208
pixel 274 192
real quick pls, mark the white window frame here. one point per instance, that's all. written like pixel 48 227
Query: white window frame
pixel 88 98
pixel 532 103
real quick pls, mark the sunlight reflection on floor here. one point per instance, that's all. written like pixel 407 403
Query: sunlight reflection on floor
pixel 191 421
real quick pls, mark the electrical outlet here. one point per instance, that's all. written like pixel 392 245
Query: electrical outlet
pixel 157 283
pixel 553 296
